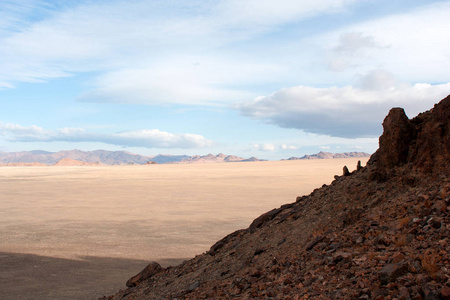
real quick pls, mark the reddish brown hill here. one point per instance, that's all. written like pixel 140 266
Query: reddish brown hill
pixel 381 232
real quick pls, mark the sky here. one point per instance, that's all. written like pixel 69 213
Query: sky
pixel 263 78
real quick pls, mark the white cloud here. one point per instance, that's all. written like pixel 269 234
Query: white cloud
pixel 412 45
pixel 341 112
pixel 324 147
pixel 149 138
pixel 264 147
pixel 288 147
pixel 19 130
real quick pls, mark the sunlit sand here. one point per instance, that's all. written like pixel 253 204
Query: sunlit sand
pixel 165 213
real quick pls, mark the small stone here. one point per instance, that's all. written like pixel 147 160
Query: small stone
pixel 391 272
pixel 314 242
pixel 445 293
pixel 397 257
pixel 404 293
pixel 193 286
pixel 435 223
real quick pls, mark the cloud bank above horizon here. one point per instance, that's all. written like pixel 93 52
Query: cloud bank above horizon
pixel 341 112
pixel 149 138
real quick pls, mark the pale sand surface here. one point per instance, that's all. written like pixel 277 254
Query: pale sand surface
pixel 92 227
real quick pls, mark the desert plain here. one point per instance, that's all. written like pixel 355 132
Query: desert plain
pixel 80 232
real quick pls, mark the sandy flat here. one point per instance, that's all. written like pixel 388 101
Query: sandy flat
pixel 92 220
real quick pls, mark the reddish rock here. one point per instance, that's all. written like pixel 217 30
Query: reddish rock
pixel 397 257
pixel 152 269
pixel 391 272
pixel 445 293
pixel 395 140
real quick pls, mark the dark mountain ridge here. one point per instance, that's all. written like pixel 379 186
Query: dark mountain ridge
pixel 380 232
pixel 329 155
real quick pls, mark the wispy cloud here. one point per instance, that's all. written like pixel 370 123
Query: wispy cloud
pixel 132 48
pixel 148 138
pixel 411 45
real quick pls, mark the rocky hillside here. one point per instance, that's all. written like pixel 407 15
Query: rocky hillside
pixel 328 155
pixel 381 232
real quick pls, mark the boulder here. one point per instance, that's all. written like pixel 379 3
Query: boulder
pixel 149 271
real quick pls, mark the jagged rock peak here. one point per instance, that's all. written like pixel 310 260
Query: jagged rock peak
pixel 422 142
pixel 396 139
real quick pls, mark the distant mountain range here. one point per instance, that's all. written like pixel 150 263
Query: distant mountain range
pixel 328 155
pixel 78 157
pixel 210 158
pixel 96 157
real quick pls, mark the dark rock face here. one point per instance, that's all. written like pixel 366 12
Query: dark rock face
pixel 345 171
pixel 394 143
pixel 422 142
pixel 431 149
pixel 381 233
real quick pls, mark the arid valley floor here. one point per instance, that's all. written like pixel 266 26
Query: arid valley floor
pixel 82 232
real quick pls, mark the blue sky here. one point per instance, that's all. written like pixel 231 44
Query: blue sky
pixel 271 79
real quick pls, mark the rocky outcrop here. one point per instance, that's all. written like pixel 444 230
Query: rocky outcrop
pixel 395 141
pixel 422 142
pixel 381 232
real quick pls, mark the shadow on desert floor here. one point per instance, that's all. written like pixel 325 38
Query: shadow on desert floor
pixel 28 276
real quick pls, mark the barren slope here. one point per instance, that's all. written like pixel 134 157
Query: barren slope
pixel 379 233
